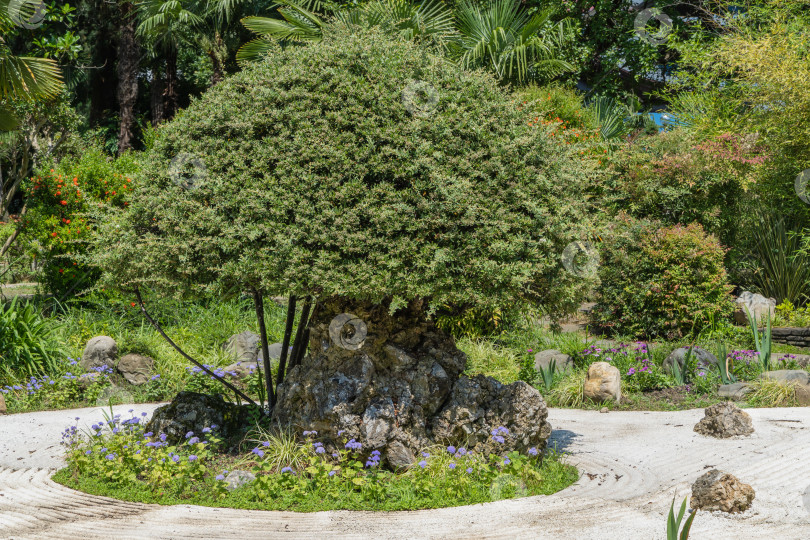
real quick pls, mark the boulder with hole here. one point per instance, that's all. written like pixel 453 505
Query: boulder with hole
pixel 724 420
pixel 720 491
pixel 603 383
pixel 100 351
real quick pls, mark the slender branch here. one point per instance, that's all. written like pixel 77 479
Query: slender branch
pixel 285 344
pixel 14 235
pixel 301 335
pixel 187 357
pixel 258 302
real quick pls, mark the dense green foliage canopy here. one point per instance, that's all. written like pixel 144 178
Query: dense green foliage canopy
pixel 359 166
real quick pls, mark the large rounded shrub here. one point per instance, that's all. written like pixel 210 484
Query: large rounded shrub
pixel 357 167
pixel 660 281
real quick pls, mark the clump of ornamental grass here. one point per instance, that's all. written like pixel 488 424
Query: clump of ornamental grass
pixel 772 393
pixel 486 358
pixel 568 390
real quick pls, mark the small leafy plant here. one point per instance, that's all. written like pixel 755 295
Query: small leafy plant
pixel 723 360
pixel 547 374
pixel 762 341
pixel 674 531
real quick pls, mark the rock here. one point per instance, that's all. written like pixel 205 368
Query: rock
pixel 563 362
pixel 100 351
pixel 136 369
pixel 242 370
pixel 759 306
pixel 721 491
pixel 3 409
pixel 724 420
pixel 802 395
pixel 273 351
pixel 400 388
pixel 114 395
pixel 735 391
pixel 244 347
pixel 85 380
pixel 603 383
pixel 604 410
pixel 192 411
pixel 702 357
pixel 784 376
pixel 237 479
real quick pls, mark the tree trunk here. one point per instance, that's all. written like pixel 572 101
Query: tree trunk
pixel 394 383
pixel 157 88
pixel 170 94
pixel 128 58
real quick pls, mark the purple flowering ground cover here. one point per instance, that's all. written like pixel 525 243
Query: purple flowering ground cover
pixel 118 458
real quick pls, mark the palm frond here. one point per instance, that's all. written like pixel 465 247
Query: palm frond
pixel 28 78
pixel 254 50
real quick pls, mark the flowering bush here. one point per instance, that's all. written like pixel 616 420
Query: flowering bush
pixel 667 282
pixel 119 452
pixel 635 364
pixel 58 222
pixel 67 386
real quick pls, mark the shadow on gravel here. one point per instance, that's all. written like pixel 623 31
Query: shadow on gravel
pixel 561 439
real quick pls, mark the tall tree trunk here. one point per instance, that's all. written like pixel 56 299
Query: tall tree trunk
pixel 102 76
pixel 128 58
pixel 214 53
pixel 157 88
pixel 170 94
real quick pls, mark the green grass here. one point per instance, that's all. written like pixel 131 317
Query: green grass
pixel 400 493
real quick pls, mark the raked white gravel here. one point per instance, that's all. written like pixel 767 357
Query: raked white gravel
pixel 631 465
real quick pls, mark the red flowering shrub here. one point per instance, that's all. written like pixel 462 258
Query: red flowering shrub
pixel 58 220
pixel 660 281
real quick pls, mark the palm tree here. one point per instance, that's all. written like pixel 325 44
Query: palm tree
pixel 506 39
pixel 22 78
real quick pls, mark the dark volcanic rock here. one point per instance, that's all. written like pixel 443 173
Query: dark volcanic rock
pixel 394 384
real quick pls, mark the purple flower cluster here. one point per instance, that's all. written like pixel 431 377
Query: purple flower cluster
pixel 353 445
pixel 498 434
pixel 374 460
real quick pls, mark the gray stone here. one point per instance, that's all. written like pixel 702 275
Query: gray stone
pixel 402 390
pixel 719 491
pixel 237 479
pixel 724 420
pixel 100 351
pixel 784 376
pixel 701 356
pixel 273 352
pixel 563 362
pixel 192 411
pixel 136 369
pixel 3 409
pixel 759 307
pixel 243 347
pixel 736 391
pixel 603 383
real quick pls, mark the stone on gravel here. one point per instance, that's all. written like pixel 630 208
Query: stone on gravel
pixel 603 383
pixel 784 376
pixel 604 410
pixel 396 386
pixel 724 420
pixel 136 369
pixel 192 411
pixel 3 409
pixel 100 351
pixel 736 391
pixel 719 491
pixel 563 362
pixel 759 307
pixel 237 479
pixel 701 356
pixel 244 347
